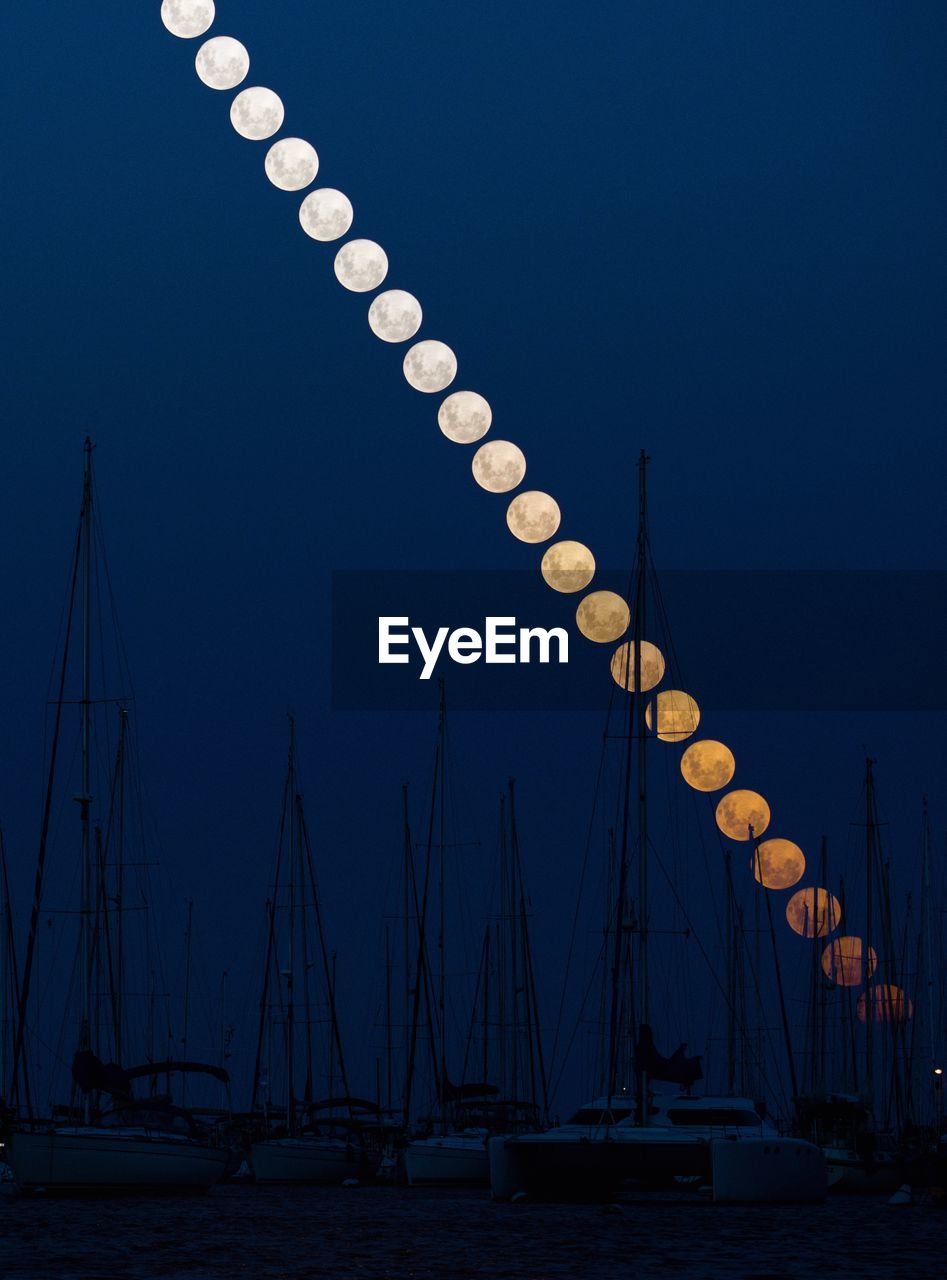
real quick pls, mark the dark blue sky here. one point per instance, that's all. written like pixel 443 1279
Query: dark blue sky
pixel 716 233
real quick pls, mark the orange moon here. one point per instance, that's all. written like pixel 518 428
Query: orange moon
pixel 813 913
pixel 602 616
pixel 678 715
pixel 778 864
pixel 623 666
pixel 708 765
pixel 738 811
pixel 843 961
pixel 888 1004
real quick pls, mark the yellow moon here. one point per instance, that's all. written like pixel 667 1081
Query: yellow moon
pixel 738 811
pixel 533 516
pixel 813 913
pixel 843 961
pixel 622 666
pixel 602 616
pixel 708 765
pixel 778 864
pixel 678 715
pixel 498 466
pixel 568 566
pixel 888 1004
pixel 464 417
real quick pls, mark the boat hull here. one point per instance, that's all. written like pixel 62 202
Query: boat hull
pixel 312 1161
pixel 97 1160
pixel 446 1162
pixel 767 1171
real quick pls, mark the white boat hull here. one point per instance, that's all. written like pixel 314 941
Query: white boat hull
pixel 446 1162
pixel 767 1171
pixel 111 1160
pixel 311 1160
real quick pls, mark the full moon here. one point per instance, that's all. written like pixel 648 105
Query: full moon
pixel 533 516
pixel 843 961
pixel 813 913
pixel 778 864
pixel 361 265
pixel 498 466
pixel 395 316
pixel 602 616
pixel 738 811
pixel 888 1004
pixel 622 666
pixel 708 765
pixel 222 63
pixel 568 566
pixel 326 214
pixel 464 417
pixel 430 366
pixel 256 113
pixel 187 18
pixel 678 715
pixel 291 164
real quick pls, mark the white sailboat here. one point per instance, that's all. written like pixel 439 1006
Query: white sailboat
pixel 130 1144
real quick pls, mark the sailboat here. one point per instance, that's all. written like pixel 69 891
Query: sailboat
pixel 510 1046
pixel 642 1136
pixel 304 1138
pixel 107 1138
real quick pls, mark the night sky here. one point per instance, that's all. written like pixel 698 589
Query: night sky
pixel 715 232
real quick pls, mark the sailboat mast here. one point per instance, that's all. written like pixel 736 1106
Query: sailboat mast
pixel 928 935
pixel 85 798
pixel 644 1012
pixel 442 923
pixel 295 858
pixel 869 923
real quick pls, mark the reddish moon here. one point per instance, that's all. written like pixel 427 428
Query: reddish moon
pixel 843 961
pixel 778 864
pixel 814 913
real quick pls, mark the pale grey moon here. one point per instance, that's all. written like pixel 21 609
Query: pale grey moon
pixel 326 214
pixel 395 316
pixel 361 265
pixel 222 63
pixel 187 18
pixel 291 164
pixel 256 113
pixel 430 366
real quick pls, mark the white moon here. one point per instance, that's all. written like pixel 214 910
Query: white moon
pixel 291 164
pixel 430 366
pixel 256 113
pixel 498 466
pixel 361 265
pixel 602 616
pixel 568 566
pixel 395 316
pixel 326 214
pixel 222 63
pixel 187 18
pixel 533 516
pixel 464 417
